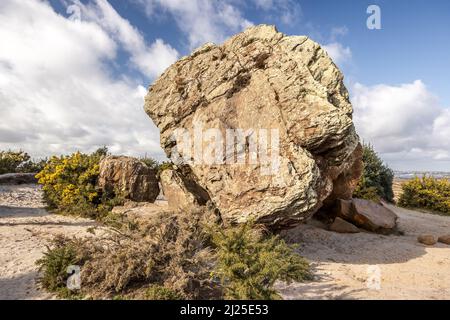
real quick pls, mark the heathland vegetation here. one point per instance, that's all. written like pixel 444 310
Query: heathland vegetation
pixel 170 256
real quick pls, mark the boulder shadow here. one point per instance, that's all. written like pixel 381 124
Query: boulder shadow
pixel 320 245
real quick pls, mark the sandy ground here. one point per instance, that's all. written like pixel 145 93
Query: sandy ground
pixel 371 266
pixel 342 263
pixel 25 229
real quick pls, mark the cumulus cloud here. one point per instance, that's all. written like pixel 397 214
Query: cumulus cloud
pixel 338 52
pixel 200 20
pixel 150 60
pixel 404 123
pixel 57 94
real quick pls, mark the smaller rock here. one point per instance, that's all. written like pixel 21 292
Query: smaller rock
pixel 343 208
pixel 341 226
pixel 372 216
pixel 128 176
pixel 445 239
pixel 427 239
pixel 181 193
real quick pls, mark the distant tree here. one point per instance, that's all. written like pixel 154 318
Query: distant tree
pixel 376 180
pixel 10 161
pixel 19 161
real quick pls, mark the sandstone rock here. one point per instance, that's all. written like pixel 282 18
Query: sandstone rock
pixel 343 208
pixel 427 239
pixel 261 79
pixel 371 216
pixel 128 176
pixel 181 192
pixel 341 226
pixel 18 178
pixel 445 239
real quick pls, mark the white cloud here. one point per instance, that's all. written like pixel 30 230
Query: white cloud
pixel 150 60
pixel 405 123
pixel 200 20
pixel 338 52
pixel 338 32
pixel 57 94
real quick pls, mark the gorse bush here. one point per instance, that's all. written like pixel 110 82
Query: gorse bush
pixel 55 262
pixel 249 262
pixel 166 257
pixel 376 180
pixel 18 161
pixel 427 193
pixel 69 185
pixel 178 256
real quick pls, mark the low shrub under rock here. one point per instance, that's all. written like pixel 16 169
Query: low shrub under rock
pixel 177 256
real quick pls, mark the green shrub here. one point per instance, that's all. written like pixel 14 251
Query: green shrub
pixel 54 263
pixel 18 161
pixel 427 193
pixel 176 256
pixel 150 162
pixel 249 263
pixel 376 180
pixel 165 165
pixel 158 292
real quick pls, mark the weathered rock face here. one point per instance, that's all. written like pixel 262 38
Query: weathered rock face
pixel 181 192
pixel 130 177
pixel 262 79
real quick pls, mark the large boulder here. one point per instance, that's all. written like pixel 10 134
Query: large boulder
pixel 272 87
pixel 128 177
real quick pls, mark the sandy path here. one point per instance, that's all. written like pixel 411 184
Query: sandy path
pixel 25 229
pixel 344 263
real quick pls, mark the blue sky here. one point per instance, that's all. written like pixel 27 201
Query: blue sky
pixel 83 63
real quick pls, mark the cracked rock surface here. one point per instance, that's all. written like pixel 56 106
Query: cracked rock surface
pixel 263 79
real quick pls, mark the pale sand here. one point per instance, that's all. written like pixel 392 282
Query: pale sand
pixel 409 270
pixel 25 229
pixel 343 263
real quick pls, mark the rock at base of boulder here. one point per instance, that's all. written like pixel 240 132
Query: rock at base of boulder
pixel 129 177
pixel 341 226
pixel 444 239
pixel 367 215
pixel 181 193
pixel 427 239
pixel 18 178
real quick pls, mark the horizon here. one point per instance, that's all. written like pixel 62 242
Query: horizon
pixel 74 73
